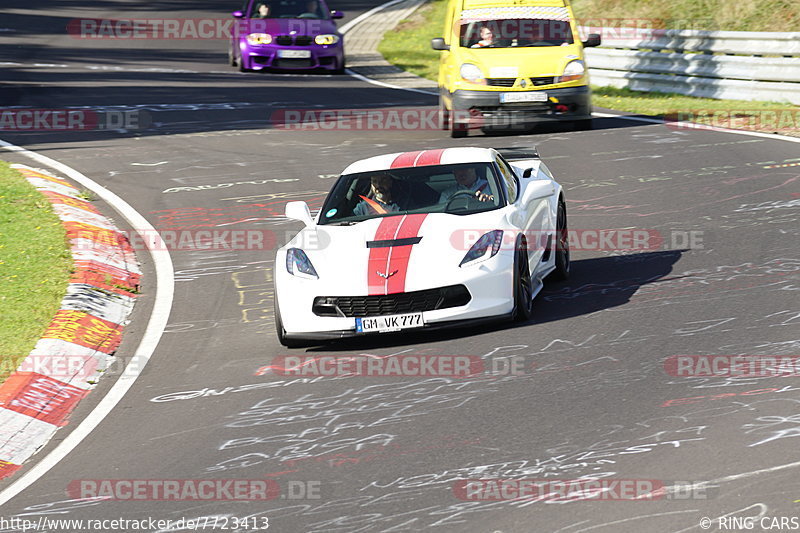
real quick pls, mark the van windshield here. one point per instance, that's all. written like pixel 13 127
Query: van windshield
pixel 515 33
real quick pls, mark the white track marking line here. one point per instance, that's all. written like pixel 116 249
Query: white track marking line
pixel 165 287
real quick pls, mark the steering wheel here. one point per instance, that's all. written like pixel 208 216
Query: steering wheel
pixel 456 195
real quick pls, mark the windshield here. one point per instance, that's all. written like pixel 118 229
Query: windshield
pixel 457 189
pixel 515 33
pixel 287 9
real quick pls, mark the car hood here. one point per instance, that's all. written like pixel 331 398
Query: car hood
pixel 287 26
pixel 393 254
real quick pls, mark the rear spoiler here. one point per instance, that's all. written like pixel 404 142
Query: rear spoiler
pixel 518 154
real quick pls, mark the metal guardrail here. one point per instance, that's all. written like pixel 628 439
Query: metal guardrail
pixel 720 64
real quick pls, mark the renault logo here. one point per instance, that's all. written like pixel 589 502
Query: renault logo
pixel 523 83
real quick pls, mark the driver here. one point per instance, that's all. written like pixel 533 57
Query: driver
pixel 381 198
pixel 467 180
pixel 312 10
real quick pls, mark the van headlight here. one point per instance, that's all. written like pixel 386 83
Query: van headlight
pixel 327 38
pixel 259 38
pixel 472 73
pixel 573 71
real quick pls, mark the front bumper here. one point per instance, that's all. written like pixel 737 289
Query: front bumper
pixel 480 109
pixel 329 57
pixel 490 290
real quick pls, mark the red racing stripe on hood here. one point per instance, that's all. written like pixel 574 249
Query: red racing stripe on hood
pixel 399 256
pixel 378 257
pixel 388 266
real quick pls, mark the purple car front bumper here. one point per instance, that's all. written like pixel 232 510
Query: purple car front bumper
pixel 330 57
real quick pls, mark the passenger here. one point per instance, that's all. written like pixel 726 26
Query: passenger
pixel 467 180
pixel 262 11
pixel 381 198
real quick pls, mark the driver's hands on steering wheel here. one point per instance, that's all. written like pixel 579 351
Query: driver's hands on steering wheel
pixel 483 197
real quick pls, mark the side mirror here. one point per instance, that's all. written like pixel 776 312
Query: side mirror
pixel 439 44
pixel 528 172
pixel 593 40
pixel 299 211
pixel 238 14
pixel 336 14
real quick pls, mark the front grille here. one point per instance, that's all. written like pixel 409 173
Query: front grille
pixel 293 63
pixel 501 82
pixel 392 304
pixel 544 80
pixel 298 40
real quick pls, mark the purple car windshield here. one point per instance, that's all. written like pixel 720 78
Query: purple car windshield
pixel 289 9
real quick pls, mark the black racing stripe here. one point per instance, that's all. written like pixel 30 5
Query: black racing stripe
pixel 393 242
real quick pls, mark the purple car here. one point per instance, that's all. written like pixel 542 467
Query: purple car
pixel 286 34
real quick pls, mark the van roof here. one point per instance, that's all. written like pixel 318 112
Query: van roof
pixel 472 4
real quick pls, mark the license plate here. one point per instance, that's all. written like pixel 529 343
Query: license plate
pixel 389 323
pixel 508 98
pixel 294 54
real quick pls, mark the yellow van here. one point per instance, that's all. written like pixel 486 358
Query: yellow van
pixel 507 63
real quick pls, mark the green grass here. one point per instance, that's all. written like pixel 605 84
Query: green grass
pixel 727 15
pixel 661 104
pixel 35 265
pixel 408 47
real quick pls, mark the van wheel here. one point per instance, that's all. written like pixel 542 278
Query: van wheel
pixel 458 130
pixel 444 115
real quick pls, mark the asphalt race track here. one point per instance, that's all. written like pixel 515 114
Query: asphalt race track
pixel 385 454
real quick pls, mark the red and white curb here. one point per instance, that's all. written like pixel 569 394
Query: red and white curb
pixel 76 348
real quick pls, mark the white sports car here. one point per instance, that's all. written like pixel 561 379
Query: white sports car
pixel 421 240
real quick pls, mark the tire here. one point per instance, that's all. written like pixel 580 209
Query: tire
pixel 561 272
pixel 289 343
pixel 341 68
pixel 457 129
pixel 231 57
pixel 444 115
pixel 523 290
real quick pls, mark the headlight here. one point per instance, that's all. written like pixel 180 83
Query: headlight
pixel 298 264
pixel 259 38
pixel 573 71
pixel 472 73
pixel 327 38
pixel 486 247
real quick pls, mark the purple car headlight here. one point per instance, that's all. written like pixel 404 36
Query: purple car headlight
pixel 298 264
pixel 484 248
pixel 326 38
pixel 259 38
